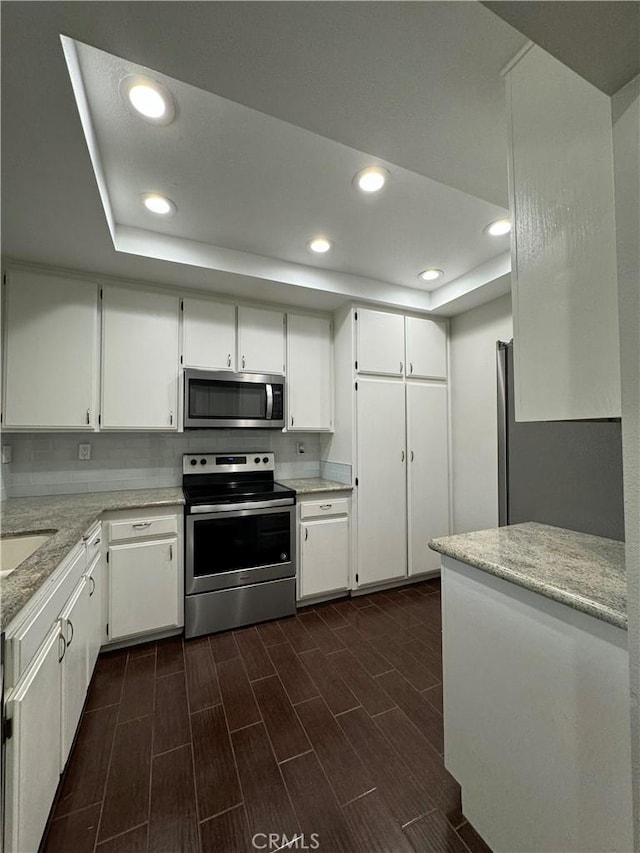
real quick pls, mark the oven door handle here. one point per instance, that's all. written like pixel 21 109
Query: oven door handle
pixel 269 412
pixel 233 507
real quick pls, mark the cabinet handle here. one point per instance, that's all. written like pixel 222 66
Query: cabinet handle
pixel 401 366
pixel 170 553
pixel 229 360
pixel 410 367
pixel 412 455
pixel 88 416
pixel 170 418
pixel 306 533
pixel 70 624
pixel 93 588
pixel 326 506
pixel 402 456
pixel 291 420
pixel 97 542
pixel 243 361
pixel 140 525
pixel 64 646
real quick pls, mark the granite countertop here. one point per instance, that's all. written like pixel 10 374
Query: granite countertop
pixel 585 572
pixel 70 516
pixel 308 485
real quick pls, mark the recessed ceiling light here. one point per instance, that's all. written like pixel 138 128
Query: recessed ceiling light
pixel 149 99
pixel 430 275
pixel 371 179
pixel 159 204
pixel 499 227
pixel 320 245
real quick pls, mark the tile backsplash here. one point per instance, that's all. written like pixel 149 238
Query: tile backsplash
pixel 47 463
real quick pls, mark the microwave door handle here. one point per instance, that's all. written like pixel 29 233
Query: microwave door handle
pixel 269 388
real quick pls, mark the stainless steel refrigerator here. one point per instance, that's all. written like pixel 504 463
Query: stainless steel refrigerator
pixel 564 473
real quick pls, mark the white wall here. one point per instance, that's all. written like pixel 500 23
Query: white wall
pixel 626 144
pixel 474 416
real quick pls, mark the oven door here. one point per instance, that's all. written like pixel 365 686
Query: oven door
pixel 232 549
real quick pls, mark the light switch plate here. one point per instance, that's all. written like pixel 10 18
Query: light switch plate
pixel 84 452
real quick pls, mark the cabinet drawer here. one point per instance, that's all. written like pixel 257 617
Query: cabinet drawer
pixel 93 538
pixel 318 509
pixel 139 528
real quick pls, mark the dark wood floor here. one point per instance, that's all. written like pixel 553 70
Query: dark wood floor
pixel 329 722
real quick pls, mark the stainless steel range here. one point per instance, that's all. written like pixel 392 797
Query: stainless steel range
pixel 240 564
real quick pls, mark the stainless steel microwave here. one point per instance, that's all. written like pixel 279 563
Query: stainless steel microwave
pixel 219 399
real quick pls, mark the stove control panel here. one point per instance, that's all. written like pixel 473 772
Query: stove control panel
pixel 227 463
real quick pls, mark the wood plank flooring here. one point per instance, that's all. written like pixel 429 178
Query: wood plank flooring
pixel 329 722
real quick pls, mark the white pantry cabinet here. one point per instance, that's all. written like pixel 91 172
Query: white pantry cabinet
pixel 51 352
pixel 325 544
pixel 427 472
pixel 382 481
pixel 33 752
pixel 426 342
pixel 380 342
pixel 260 340
pixel 139 360
pixel 309 373
pixel 145 572
pixel 208 334
pixel 564 275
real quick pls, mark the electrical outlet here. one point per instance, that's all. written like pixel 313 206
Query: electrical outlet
pixel 84 452
pixel 299 446
pixel 6 453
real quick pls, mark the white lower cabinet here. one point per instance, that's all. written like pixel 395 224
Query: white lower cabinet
pixel 76 628
pixel 325 546
pixel 33 752
pixel 95 581
pixel 382 481
pixel 145 573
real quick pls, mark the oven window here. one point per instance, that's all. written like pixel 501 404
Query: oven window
pixel 224 544
pixel 208 399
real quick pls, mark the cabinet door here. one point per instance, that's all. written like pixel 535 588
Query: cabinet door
pixel 208 334
pixel 139 360
pixel 380 342
pixel 143 588
pixel 382 481
pixel 33 752
pixel 428 472
pixel 76 628
pixel 51 352
pixel 260 340
pixel 324 556
pixel 426 348
pixel 564 272
pixel 309 373
pixel 95 584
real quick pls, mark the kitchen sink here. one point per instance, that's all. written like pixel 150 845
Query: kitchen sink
pixel 15 549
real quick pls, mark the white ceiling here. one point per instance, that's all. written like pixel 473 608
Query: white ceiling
pixel 415 85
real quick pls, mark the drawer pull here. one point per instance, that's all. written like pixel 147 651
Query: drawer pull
pixel 70 624
pixel 170 553
pixel 402 456
pixel 97 542
pixel 243 361
pixel 412 455
pixel 326 506
pixel 306 533
pixel 140 525
pixel 88 416
pixel 64 646
pixel 410 367
pixel 93 588
pixel 229 360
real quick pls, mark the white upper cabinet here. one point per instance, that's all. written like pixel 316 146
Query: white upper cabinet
pixel 564 278
pixel 260 340
pixel 208 334
pixel 426 348
pixel 309 373
pixel 139 360
pixel 51 352
pixel 380 342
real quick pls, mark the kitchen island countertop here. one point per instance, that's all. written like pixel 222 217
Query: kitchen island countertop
pixel 308 485
pixel 70 517
pixel 582 571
